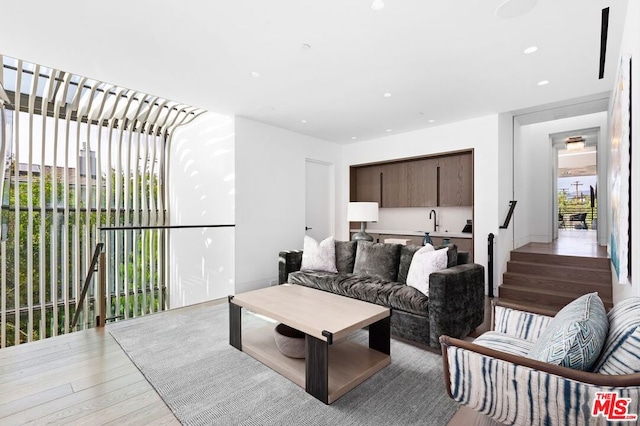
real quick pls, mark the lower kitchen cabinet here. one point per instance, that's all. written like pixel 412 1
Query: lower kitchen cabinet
pixel 463 244
pixel 413 240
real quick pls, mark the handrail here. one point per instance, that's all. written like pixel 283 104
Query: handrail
pixel 87 281
pixel 512 205
pixel 134 228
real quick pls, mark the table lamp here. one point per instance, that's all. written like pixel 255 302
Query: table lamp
pixel 362 212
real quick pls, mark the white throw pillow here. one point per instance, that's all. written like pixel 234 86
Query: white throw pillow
pixel 424 262
pixel 425 248
pixel 319 257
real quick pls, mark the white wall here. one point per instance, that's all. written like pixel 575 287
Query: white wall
pixel 522 170
pixel 533 176
pixel 201 192
pixel 270 196
pixel 481 134
pixel 503 242
pixel 631 45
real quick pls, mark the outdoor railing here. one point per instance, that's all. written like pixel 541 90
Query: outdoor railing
pixel 567 217
pixel 137 268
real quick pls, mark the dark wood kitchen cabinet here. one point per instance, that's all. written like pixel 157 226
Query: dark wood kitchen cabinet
pixel 463 244
pixel 368 184
pixel 395 183
pixel 437 181
pixel 455 180
pixel 422 183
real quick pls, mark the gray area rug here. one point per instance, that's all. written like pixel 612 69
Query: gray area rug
pixel 186 356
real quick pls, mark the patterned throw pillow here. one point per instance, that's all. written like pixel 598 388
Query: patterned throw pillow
pixel 620 354
pixel 575 336
pixel 424 262
pixel 319 257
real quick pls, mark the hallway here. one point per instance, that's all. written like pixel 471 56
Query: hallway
pixel 570 242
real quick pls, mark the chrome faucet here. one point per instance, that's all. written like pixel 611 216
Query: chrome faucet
pixel 435 220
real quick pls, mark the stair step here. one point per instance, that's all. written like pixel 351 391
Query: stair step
pixel 552 309
pixel 556 259
pixel 544 297
pixel 550 283
pixel 584 274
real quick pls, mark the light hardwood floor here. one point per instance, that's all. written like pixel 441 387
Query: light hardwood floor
pixel 571 242
pixel 85 378
pixel 80 378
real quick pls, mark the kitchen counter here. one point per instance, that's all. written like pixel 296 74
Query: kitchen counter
pixel 417 233
pixel 468 235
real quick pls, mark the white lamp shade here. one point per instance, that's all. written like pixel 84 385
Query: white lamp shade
pixel 362 212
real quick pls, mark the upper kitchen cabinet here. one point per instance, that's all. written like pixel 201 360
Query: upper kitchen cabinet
pixel 444 180
pixel 368 184
pixel 422 183
pixel 455 180
pixel 395 184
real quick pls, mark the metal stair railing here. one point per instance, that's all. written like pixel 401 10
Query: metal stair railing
pixel 96 260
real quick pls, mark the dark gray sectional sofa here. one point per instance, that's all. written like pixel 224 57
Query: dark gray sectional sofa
pixel 455 304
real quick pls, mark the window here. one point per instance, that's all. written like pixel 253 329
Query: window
pixel 79 155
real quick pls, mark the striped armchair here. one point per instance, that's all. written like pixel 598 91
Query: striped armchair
pixel 494 375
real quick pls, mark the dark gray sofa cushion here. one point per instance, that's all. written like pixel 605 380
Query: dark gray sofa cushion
pixel 406 255
pixel 331 282
pixel 407 252
pixel 368 289
pixel 345 256
pixel 377 260
pixel 452 254
pixel 327 281
pixel 409 299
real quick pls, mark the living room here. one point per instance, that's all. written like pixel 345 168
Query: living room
pixel 254 166
pixel 277 155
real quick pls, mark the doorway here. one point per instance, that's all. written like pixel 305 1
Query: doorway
pixel 576 186
pixel 319 199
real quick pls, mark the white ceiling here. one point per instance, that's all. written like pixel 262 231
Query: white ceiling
pixel 440 60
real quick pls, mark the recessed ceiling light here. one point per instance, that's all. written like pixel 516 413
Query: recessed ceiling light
pixel 303 121
pixel 354 137
pixel 530 49
pixel 388 130
pixel 543 83
pixel 255 74
pixel 377 5
pixel 431 121
pixel 387 95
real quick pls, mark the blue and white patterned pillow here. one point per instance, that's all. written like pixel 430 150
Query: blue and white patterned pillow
pixel 621 352
pixel 575 336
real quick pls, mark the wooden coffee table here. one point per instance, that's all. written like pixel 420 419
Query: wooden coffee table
pixel 332 365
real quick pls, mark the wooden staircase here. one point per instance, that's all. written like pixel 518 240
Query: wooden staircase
pixel 550 281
